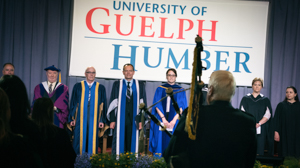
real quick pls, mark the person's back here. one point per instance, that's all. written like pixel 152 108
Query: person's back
pixel 225 137
pixel 57 148
pixel 15 150
pixel 20 108
pixel 58 151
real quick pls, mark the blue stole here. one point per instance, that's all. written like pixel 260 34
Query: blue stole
pixel 121 118
pixel 93 118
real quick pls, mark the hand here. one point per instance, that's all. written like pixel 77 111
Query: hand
pixel 257 125
pixel 54 108
pixel 172 123
pixel 72 123
pixel 166 123
pixel 276 136
pixel 101 125
pixel 140 125
pixel 112 125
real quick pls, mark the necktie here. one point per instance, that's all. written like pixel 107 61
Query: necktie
pixel 128 90
pixel 50 88
pixel 90 92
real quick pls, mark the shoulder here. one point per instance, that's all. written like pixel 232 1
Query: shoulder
pixel 247 96
pixel 244 117
pixel 77 84
pixel 141 83
pixel 101 87
pixel 265 99
pixel 63 85
pixel 161 87
pixel 248 116
pixel 117 82
pixel 39 85
pixel 61 131
pixel 282 103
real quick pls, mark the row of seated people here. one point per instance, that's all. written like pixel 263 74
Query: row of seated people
pixel 26 142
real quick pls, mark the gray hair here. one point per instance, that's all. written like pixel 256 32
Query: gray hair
pixel 223 84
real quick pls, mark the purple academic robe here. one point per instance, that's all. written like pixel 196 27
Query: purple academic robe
pixel 60 98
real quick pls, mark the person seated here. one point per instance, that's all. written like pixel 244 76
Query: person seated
pixel 20 108
pixel 14 151
pixel 58 151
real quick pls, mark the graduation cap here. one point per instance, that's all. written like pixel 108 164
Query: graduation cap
pixel 53 68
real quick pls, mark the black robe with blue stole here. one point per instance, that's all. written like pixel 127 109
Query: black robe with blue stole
pixel 87 121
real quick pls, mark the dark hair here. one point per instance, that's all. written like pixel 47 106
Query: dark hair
pixel 4 115
pixel 8 63
pixel 42 112
pixel 18 98
pixel 128 65
pixel 172 69
pixel 295 90
pixel 43 116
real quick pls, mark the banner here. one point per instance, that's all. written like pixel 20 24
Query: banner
pixel 158 35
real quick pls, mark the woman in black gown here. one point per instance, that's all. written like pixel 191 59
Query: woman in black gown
pixel 287 124
pixel 260 107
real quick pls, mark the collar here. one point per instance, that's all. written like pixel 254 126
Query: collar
pixel 130 82
pixel 90 84
pixel 221 103
pixel 52 83
pixel 261 95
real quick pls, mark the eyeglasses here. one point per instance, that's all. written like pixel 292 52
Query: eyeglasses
pixel 171 75
pixel 90 72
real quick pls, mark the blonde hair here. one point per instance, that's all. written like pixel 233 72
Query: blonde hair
pixel 258 79
pixel 223 84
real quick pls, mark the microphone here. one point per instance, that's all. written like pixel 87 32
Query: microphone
pixel 153 118
pixel 169 92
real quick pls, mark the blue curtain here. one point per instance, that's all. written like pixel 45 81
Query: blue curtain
pixel 36 33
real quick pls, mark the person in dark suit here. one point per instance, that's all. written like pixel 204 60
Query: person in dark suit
pixel 225 136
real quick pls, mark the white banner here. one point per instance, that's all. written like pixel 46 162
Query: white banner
pixel 157 35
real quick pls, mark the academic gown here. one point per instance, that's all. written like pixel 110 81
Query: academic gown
pixel 87 122
pixel 118 106
pixel 287 124
pixel 59 97
pixel 159 140
pixel 225 138
pixel 257 107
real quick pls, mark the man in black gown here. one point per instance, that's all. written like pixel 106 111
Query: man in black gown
pixel 225 137
pixel 123 111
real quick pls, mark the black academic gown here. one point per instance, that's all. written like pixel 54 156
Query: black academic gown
pixel 257 107
pixel 226 137
pixel 287 124
pixel 118 113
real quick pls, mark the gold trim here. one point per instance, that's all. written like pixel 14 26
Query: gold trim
pixel 189 122
pixel 95 118
pixel 81 115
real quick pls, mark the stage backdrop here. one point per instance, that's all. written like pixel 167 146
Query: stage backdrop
pixel 157 35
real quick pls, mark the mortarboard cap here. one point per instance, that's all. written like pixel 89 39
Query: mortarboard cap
pixel 52 68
